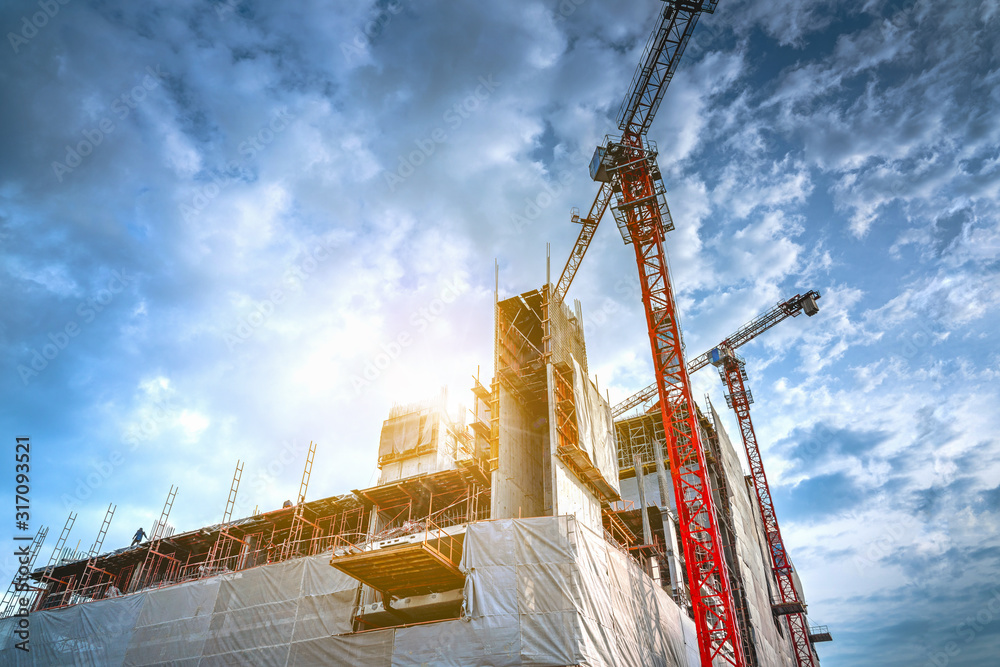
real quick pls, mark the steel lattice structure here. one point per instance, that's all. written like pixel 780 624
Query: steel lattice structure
pixel 627 170
pixel 643 217
pixel 732 372
pixel 755 327
pixel 711 598
pixel 587 229
pixel 789 308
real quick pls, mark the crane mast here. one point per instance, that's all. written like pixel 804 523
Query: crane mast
pixel 627 168
pixel 628 172
pixel 792 307
pixel 731 368
pixel 660 58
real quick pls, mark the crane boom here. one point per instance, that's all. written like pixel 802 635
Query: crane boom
pixel 659 62
pixel 587 229
pixel 660 58
pixel 755 327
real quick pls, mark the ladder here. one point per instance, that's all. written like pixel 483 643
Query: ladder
pixel 9 601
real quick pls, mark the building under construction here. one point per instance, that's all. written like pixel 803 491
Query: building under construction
pixel 534 530
pixel 543 527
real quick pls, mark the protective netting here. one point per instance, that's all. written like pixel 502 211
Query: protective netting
pixel 543 591
pixel 252 617
pixel 407 432
pixel 595 425
pixel 573 598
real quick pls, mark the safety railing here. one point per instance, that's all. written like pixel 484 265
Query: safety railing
pixel 255 549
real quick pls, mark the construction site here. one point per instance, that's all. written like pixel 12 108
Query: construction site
pixel 543 525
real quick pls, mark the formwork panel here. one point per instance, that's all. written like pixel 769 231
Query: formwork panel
pixel 518 482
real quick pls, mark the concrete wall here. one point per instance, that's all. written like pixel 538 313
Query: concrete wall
pixel 519 481
pixel 570 495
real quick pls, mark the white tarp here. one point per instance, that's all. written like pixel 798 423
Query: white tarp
pixel 595 426
pixel 365 649
pixel 577 601
pixel 540 591
pixel 408 432
pixel 173 624
pixel 96 633
pixel 250 617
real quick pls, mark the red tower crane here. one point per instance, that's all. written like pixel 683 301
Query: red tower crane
pixel 732 370
pixel 627 169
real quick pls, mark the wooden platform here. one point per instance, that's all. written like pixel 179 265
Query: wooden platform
pixel 403 570
pixel 580 464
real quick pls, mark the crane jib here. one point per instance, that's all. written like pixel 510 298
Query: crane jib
pixel 660 58
pixel 800 303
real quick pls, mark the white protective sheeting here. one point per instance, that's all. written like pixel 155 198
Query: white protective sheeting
pixel 595 426
pixel 540 591
pixel 253 617
pixel 577 601
pixel 485 642
pixel 173 624
pixel 407 432
pixel 68 640
pixel 365 649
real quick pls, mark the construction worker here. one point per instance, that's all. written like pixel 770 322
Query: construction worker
pixel 139 534
pixel 112 592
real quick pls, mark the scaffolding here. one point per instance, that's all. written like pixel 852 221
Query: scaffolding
pixel 413 545
pixel 232 546
pixel 638 435
pixel 568 449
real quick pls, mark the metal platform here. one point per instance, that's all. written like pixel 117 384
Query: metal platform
pixel 583 467
pixel 786 608
pixel 820 633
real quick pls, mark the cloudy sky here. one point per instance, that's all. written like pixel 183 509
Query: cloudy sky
pixel 230 228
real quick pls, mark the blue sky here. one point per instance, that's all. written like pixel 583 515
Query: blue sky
pixel 231 228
